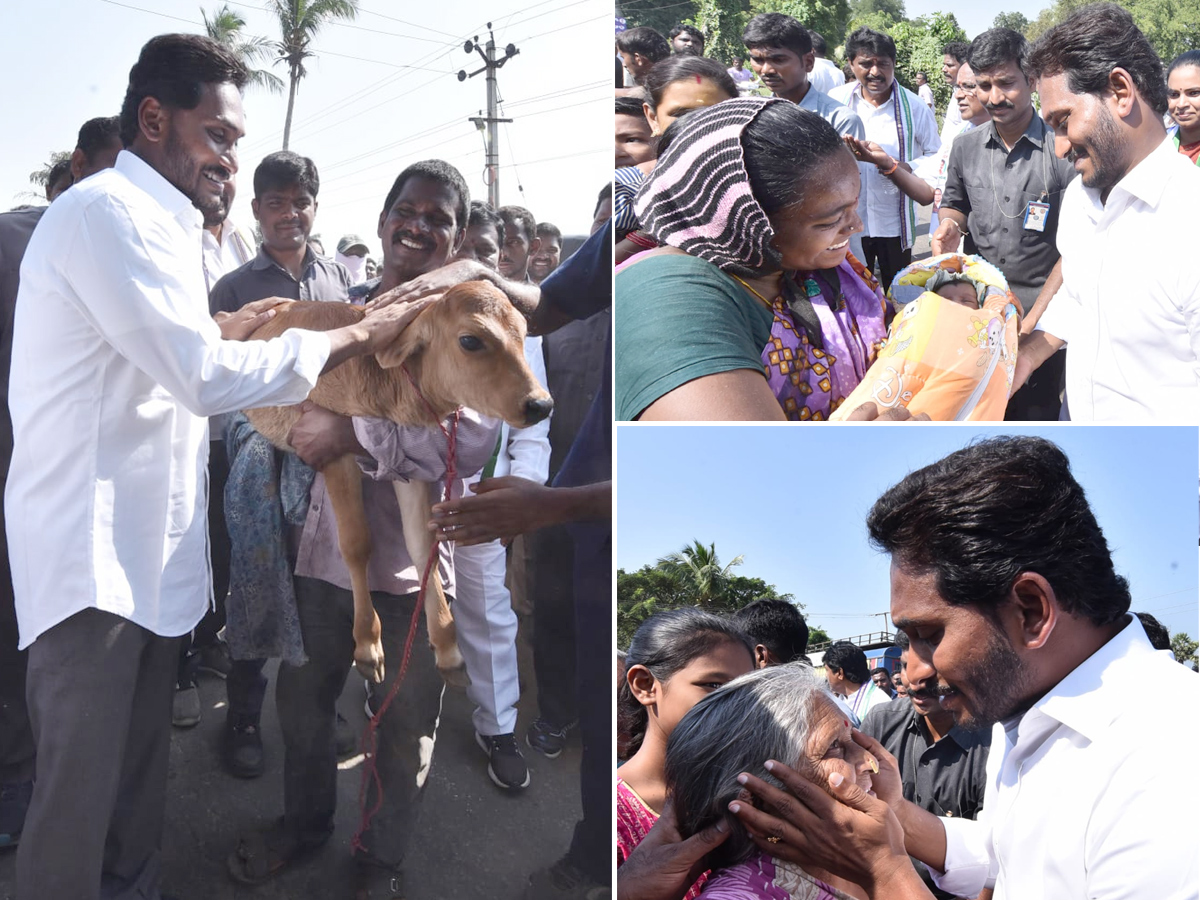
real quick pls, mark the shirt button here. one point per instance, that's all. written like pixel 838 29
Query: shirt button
pixel 1002 260
pixel 1005 229
pixel 1006 199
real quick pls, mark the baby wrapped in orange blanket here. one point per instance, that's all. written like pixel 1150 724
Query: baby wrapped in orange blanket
pixel 951 350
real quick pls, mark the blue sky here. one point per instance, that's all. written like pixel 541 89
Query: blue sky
pixel 973 16
pixel 793 500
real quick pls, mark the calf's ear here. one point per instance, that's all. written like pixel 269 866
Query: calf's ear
pixel 400 351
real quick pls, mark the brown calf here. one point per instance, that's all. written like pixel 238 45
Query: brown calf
pixel 465 350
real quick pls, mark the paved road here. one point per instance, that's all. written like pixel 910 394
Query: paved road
pixel 475 841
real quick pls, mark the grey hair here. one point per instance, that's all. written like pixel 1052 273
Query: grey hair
pixel 762 715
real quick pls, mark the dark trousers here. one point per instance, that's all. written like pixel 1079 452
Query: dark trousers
pixel 16 734
pixel 891 258
pixel 99 695
pixel 591 845
pixel 552 588
pixel 1040 398
pixel 246 687
pixel 306 698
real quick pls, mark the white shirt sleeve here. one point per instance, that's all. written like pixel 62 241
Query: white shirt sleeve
pixel 141 298
pixel 926 141
pixel 1060 312
pixel 529 448
pixel 969 866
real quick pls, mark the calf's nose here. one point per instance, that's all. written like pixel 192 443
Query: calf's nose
pixel 536 410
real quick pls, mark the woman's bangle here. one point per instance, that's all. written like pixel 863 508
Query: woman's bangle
pixel 895 165
pixel 641 239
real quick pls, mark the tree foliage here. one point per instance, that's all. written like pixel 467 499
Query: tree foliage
pixel 692 577
pixel 1014 20
pixel 653 14
pixel 40 178
pixel 1184 649
pixel 722 22
pixel 829 17
pixel 891 10
pixel 817 635
pixel 226 27
pixel 919 46
pixel 1171 26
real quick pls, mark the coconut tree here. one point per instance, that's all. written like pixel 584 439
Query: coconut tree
pixel 299 22
pixel 225 27
pixel 699 570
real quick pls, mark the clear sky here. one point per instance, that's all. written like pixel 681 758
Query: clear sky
pixel 380 94
pixel 794 500
pixel 972 15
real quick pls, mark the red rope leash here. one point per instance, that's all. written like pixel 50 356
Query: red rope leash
pixel 369 740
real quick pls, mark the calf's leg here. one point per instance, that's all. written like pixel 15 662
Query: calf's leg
pixel 343 480
pixel 415 505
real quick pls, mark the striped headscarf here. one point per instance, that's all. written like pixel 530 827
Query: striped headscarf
pixel 698 197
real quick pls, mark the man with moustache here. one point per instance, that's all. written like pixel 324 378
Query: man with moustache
pixel 1133 328
pixel 422 223
pixel 1004 188
pixel 971 114
pixel 942 767
pixel 1005 586
pixel 116 367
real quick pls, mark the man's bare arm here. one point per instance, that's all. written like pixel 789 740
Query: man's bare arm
pixel 1053 282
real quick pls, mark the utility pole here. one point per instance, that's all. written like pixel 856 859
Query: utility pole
pixel 490 65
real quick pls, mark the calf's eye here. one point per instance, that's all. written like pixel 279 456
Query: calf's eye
pixel 470 343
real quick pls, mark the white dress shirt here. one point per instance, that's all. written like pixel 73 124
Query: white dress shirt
pixel 881 203
pixel 1129 307
pixel 952 121
pixel 1088 795
pixel 116 362
pixel 825 75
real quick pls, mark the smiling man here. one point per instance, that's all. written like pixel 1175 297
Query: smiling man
pixel 1133 333
pixel 116 365
pixel 1018 621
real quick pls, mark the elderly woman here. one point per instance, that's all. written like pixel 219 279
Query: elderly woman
pixel 753 310
pixel 782 713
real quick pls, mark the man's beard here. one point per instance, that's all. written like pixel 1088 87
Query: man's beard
pixel 183 173
pixel 1110 161
pixel 998 682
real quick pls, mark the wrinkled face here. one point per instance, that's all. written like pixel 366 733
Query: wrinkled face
pixel 697 680
pixel 874 73
pixel 481 244
pixel 688 44
pixel 967 96
pixel 514 253
pixel 1085 133
pixel 781 70
pixel 831 749
pixel 1005 92
pixel 681 97
pixel 815 233
pixel 635 141
pixel 545 259
pixel 285 215
pixel 420 232
pixel 949 68
pixel 200 150
pixel 957 655
pixel 472 350
pixel 1183 97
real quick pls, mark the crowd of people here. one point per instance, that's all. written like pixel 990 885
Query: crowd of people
pixel 760 238
pixel 1000 754
pixel 151 531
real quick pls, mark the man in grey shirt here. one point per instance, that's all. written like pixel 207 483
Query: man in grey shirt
pixel 1004 187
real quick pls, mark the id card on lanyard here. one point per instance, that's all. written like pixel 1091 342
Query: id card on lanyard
pixel 1036 214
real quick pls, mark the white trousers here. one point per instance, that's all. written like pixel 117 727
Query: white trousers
pixel 487 636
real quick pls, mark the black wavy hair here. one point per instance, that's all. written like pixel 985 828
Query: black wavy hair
pixel 282 169
pixel 443 173
pixel 173 68
pixel 646 41
pixel 97 134
pixel 848 659
pixel 687 29
pixel 778 626
pixel 957 49
pixel 783 149
pixel 983 515
pixel 485 214
pixel 777 30
pixel 1092 42
pixel 998 46
pixel 520 217
pixel 865 40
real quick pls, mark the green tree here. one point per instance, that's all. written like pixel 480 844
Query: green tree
pixel 40 178
pixel 652 14
pixel 919 46
pixel 817 635
pixel 1184 649
pixel 1014 20
pixel 299 23
pixel 1171 26
pixel 226 28
pixel 722 22
pixel 698 569
pixel 892 10
pixel 829 17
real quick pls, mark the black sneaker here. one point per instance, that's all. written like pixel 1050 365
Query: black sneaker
pixel 547 738
pixel 185 705
pixel 506 765
pixel 14 804
pixel 242 750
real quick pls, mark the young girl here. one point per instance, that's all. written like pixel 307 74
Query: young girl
pixel 675 659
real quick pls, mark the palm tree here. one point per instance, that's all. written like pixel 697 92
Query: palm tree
pixel 698 569
pixel 225 27
pixel 299 22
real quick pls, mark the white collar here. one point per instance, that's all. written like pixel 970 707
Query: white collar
pixel 1147 181
pixel 145 177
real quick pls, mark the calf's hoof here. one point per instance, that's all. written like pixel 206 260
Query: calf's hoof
pixel 451 667
pixel 368 659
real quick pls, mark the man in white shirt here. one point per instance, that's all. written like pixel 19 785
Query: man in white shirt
pixel 895 119
pixel 116 364
pixel 1133 327
pixel 825 75
pixel 1003 581
pixel 850 680
pixel 924 91
pixel 954 55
